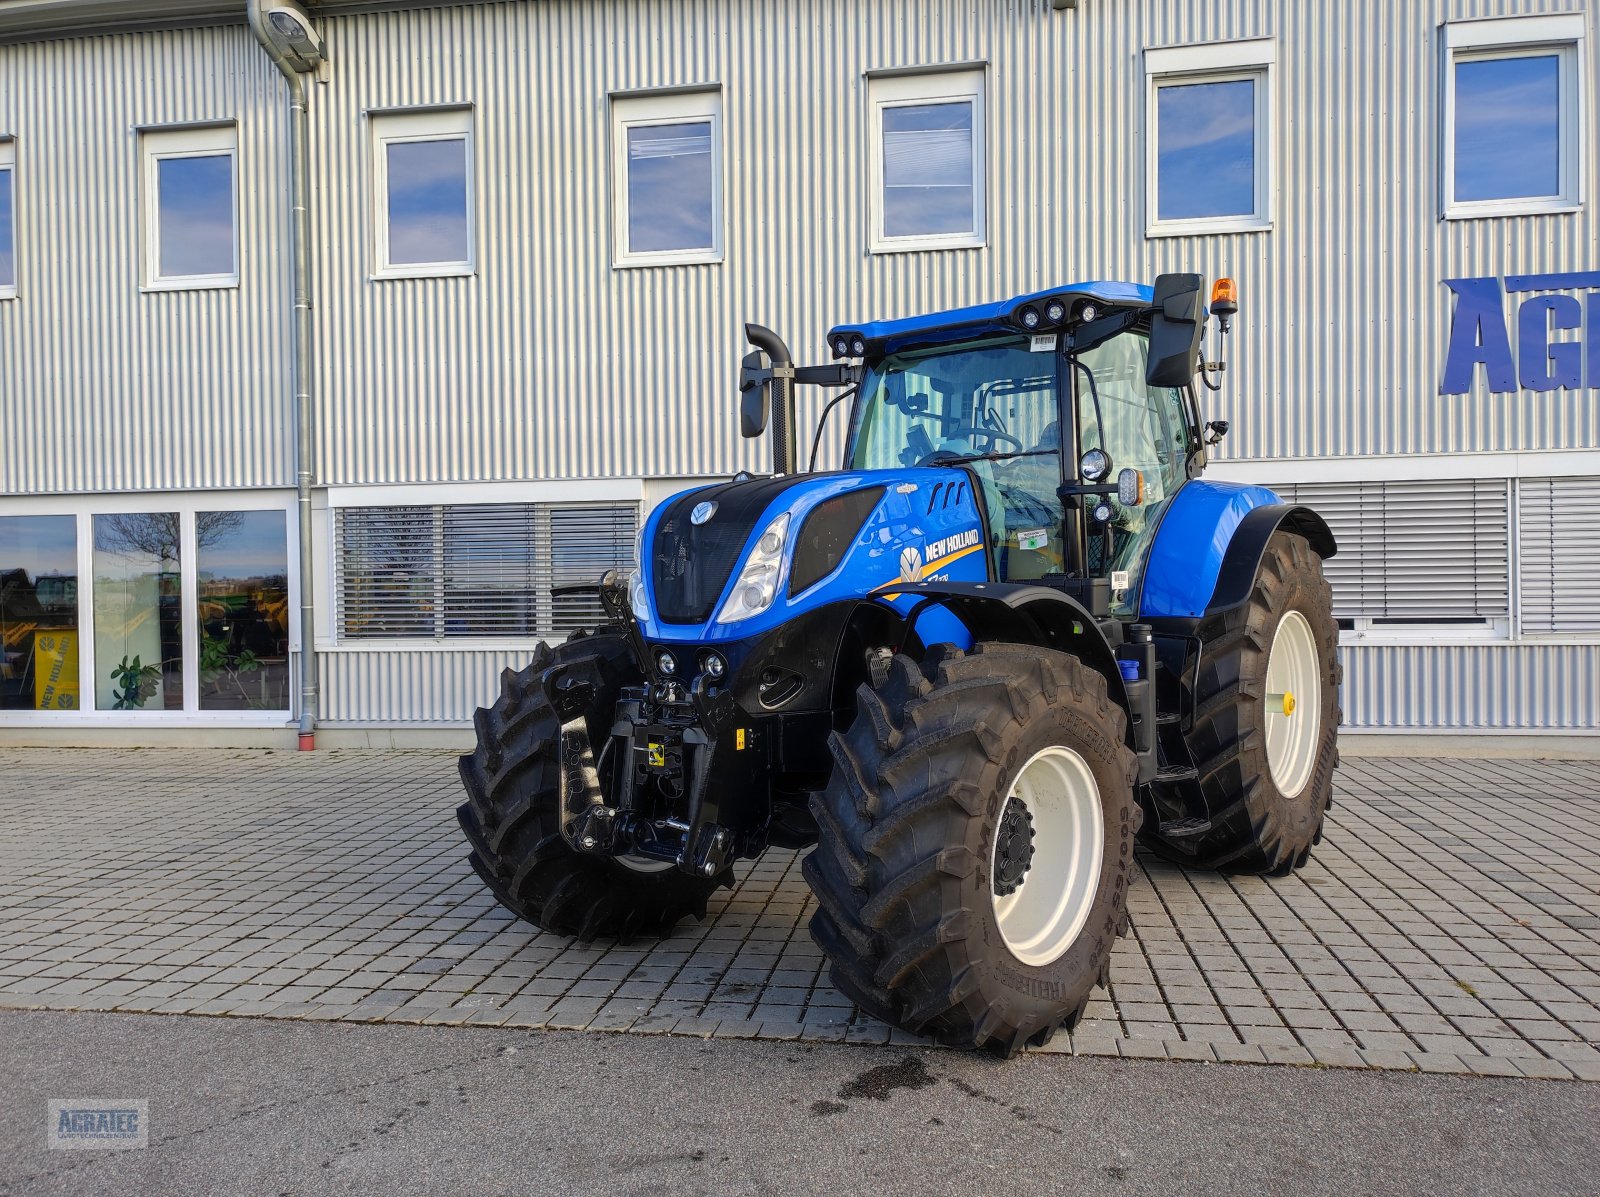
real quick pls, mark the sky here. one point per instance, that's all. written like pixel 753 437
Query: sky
pixel 8 265
pixel 196 215
pixel 40 544
pixel 1507 134
pixel 1206 146
pixel 927 169
pixel 428 201
pixel 670 181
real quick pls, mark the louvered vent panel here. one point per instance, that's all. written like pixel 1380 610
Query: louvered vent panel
pixel 1560 544
pixel 1415 551
pixel 477 571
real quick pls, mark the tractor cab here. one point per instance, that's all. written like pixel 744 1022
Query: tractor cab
pixel 1048 402
pixel 1031 419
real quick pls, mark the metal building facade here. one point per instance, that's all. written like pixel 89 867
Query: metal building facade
pixel 549 366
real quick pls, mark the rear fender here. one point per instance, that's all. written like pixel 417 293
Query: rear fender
pixel 1209 544
pixel 1242 562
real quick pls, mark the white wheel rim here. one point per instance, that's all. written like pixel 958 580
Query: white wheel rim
pixel 643 864
pixel 1293 702
pixel 1043 917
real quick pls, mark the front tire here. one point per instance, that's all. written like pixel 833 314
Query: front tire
pixel 1267 772
pixel 938 912
pixel 512 814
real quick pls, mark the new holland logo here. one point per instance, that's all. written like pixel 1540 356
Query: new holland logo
pixel 701 513
pixel 910 564
pixel 940 549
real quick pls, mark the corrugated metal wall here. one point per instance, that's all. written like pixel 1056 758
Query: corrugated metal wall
pixel 429 686
pixel 105 387
pixel 1542 687
pixel 550 363
pixel 1510 687
pixel 507 375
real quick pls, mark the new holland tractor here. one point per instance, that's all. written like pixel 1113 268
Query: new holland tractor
pixel 1014 634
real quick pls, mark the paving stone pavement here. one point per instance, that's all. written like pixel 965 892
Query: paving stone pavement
pixel 1449 922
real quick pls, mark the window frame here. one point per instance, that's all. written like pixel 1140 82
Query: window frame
pixel 8 165
pixel 157 144
pixel 905 88
pixel 570 492
pixel 676 106
pixel 1498 39
pixel 411 125
pixel 1253 59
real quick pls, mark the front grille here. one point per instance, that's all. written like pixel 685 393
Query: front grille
pixel 690 565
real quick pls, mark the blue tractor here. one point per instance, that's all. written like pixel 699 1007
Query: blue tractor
pixel 1017 632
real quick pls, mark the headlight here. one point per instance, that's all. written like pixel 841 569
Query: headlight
pixel 638 597
pixel 758 581
pixel 1030 318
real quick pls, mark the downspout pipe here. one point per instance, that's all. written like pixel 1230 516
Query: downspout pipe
pixel 300 353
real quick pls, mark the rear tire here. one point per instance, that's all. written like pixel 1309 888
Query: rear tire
pixel 905 870
pixel 512 819
pixel 1267 792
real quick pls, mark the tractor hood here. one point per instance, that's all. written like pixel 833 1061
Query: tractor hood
pixel 733 560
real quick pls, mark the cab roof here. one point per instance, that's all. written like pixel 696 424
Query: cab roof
pixel 889 336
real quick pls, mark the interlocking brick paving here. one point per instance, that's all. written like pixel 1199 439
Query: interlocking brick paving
pixel 1450 920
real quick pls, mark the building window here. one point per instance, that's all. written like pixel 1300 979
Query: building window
pixel 191 208
pixel 138 611
pixel 477 571
pixel 668 166
pixel 242 610
pixel 39 613
pixel 1513 116
pixel 422 167
pixel 927 152
pixel 1209 116
pixel 1429 557
pixel 8 220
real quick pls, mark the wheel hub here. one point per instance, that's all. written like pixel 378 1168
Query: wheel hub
pixel 1013 847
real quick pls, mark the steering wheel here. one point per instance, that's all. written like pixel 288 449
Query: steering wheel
pixel 990 436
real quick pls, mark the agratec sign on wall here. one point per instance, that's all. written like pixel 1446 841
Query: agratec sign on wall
pixel 1556 333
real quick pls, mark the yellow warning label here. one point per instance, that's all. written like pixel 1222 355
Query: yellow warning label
pixel 738 740
pixel 658 755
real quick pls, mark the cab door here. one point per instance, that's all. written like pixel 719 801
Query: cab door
pixel 1141 428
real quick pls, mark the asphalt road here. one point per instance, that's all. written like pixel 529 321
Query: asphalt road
pixel 260 1107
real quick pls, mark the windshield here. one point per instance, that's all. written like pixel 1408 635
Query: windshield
pixel 982 399
pixel 993 407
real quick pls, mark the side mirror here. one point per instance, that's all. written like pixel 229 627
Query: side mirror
pixel 755 375
pixel 1175 331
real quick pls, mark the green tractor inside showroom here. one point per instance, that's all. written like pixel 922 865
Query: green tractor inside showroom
pixel 1014 634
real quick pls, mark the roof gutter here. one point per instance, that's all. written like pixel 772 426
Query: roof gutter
pixel 300 354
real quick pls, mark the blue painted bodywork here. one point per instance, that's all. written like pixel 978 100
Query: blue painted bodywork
pixel 916 514
pixel 886 336
pixel 1193 538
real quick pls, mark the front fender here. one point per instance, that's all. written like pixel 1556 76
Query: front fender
pixel 1017 613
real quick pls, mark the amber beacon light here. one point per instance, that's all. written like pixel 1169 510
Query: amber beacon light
pixel 1224 301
